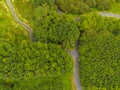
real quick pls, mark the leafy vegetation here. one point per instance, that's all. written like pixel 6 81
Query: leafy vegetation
pixel 9 29
pixel 32 62
pixel 37 3
pixel 115 8
pixel 83 6
pixel 99 53
pixel 72 6
pixel 27 65
pixel 50 27
pixel 57 25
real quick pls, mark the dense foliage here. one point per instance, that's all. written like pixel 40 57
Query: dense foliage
pixel 44 64
pixel 83 6
pixel 50 27
pixel 40 2
pixel 99 53
pixel 99 4
pixel 72 6
pixel 33 62
pixel 39 65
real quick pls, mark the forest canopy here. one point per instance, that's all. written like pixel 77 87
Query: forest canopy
pixel 50 27
pixel 56 26
pixel 99 53
pixel 33 62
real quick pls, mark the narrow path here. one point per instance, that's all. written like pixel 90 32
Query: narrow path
pixel 29 30
pixel 108 14
pixel 75 54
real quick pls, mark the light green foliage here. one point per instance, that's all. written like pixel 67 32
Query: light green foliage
pixel 24 11
pixel 115 8
pixel 93 23
pixel 99 61
pixel 25 65
pixel 10 31
pixel 99 53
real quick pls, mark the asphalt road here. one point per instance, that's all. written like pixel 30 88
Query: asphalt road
pixel 75 55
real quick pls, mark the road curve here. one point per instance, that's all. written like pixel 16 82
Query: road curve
pixel 29 30
pixel 75 55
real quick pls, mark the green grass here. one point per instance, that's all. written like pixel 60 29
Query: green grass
pixel 115 8
pixel 10 30
pixel 24 12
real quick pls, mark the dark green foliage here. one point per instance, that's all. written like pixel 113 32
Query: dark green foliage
pixel 100 4
pixel 83 6
pixel 72 6
pixel 24 65
pixel 37 3
pixel 44 83
pixel 91 3
pixel 104 4
pixel 50 27
pixel 118 0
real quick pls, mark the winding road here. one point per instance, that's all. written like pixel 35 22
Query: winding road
pixel 12 10
pixel 74 53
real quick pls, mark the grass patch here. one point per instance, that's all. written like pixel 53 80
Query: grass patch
pixel 115 8
pixel 24 12
pixel 9 28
